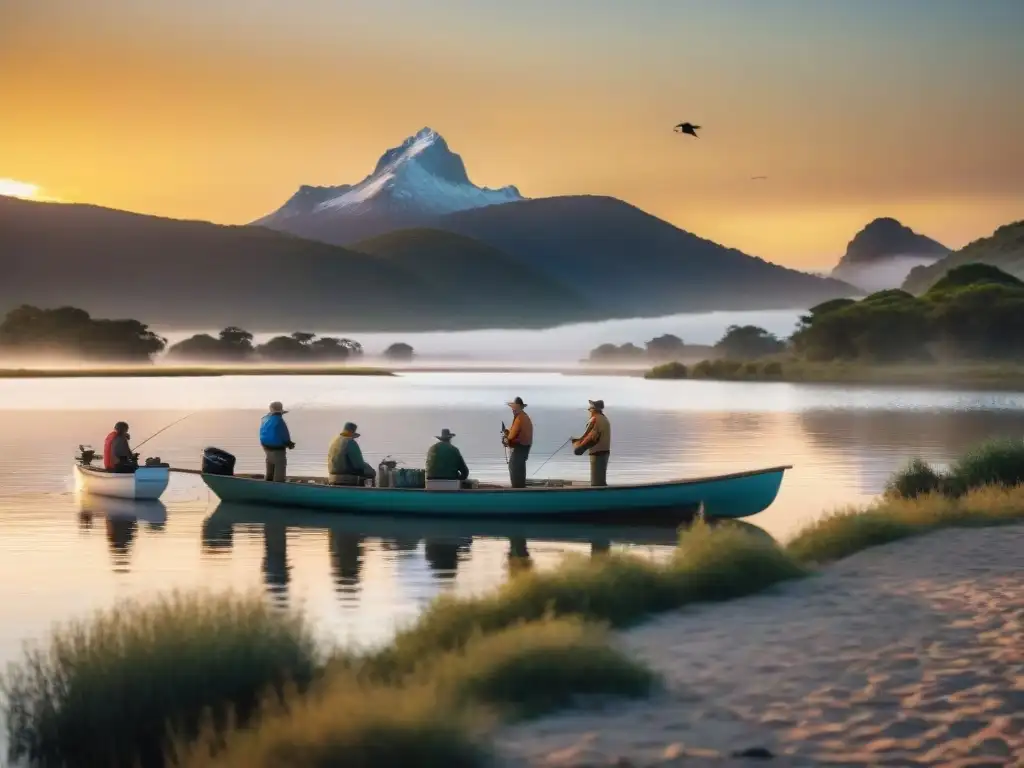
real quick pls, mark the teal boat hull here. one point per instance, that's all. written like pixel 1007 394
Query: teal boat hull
pixel 737 495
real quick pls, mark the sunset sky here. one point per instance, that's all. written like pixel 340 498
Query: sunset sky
pixel 220 109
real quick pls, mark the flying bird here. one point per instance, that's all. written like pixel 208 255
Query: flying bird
pixel 688 128
pixel 758 178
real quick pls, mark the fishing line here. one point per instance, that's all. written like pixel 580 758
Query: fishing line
pixel 165 429
pixel 549 458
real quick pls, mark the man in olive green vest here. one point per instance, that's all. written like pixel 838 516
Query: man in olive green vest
pixel 345 464
pixel 444 460
pixel 597 438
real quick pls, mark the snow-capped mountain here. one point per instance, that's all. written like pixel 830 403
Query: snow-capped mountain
pixel 412 184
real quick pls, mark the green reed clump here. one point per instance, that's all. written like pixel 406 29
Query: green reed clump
pixel 105 691
pixel 673 370
pixel 712 564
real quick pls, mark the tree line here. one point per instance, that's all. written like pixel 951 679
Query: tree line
pixel 740 342
pixel 29 331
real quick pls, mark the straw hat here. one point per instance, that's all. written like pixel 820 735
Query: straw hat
pixel 276 407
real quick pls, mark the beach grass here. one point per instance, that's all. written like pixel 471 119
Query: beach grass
pixel 104 691
pixel 846 532
pixel 998 463
pixel 439 713
pixel 194 371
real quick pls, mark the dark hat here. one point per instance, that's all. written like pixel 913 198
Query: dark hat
pixel 518 401
pixel 350 430
pixel 597 405
pixel 446 434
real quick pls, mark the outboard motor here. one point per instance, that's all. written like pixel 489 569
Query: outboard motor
pixel 86 454
pixel 217 462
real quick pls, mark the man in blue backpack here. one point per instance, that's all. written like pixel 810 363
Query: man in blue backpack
pixel 275 439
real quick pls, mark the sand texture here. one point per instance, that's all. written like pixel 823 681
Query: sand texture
pixel 911 654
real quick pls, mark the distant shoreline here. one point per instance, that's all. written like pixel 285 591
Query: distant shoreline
pixel 982 376
pixel 162 372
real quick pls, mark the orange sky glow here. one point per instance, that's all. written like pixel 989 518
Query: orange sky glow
pixel 219 110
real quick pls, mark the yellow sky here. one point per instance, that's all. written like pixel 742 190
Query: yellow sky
pixel 219 110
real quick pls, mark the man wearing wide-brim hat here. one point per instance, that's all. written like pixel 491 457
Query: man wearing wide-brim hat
pixel 519 438
pixel 345 463
pixel 276 440
pixel 597 439
pixel 444 460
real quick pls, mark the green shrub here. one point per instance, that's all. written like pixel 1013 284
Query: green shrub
pixel 772 369
pixel 105 691
pixel 916 479
pixel 999 462
pixel 533 668
pixel 346 722
pixel 750 370
pixel 667 371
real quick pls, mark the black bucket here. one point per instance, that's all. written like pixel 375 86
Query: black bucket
pixel 218 462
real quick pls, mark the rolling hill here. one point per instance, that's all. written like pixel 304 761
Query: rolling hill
pixel 1004 249
pixel 196 275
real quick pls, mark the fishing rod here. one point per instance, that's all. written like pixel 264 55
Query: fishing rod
pixel 165 429
pixel 504 441
pixel 549 458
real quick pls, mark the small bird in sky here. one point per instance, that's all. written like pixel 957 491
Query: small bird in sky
pixel 758 178
pixel 688 128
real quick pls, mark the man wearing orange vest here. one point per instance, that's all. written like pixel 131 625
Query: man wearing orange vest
pixel 597 438
pixel 117 455
pixel 518 437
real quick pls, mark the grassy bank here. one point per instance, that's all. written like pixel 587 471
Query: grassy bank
pixel 171 371
pixel 976 376
pixel 228 682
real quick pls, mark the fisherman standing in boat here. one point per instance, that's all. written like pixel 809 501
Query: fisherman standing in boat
pixel 345 464
pixel 117 455
pixel 518 437
pixel 276 440
pixel 597 438
pixel 444 460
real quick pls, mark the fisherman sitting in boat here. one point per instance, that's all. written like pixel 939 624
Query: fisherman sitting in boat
pixel 117 455
pixel 518 437
pixel 597 438
pixel 444 460
pixel 276 440
pixel 345 464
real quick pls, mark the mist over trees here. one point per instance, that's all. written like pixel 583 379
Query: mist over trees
pixel 29 331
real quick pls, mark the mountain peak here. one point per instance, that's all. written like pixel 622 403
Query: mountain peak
pixel 419 179
pixel 881 255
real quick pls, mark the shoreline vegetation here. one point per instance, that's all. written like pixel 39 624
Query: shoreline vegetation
pixel 201 680
pixel 173 371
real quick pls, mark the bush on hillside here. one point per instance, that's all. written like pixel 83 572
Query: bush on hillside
pixel 667 371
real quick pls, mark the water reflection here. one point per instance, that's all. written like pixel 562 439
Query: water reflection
pixel 347 557
pixel 121 523
pixel 444 556
pixel 276 570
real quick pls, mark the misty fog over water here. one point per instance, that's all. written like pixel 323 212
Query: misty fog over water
pixel 564 344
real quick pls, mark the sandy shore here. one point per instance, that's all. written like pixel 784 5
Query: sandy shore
pixel 908 654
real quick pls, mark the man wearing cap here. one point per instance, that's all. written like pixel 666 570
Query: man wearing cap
pixel 597 438
pixel 518 437
pixel 444 460
pixel 345 464
pixel 276 440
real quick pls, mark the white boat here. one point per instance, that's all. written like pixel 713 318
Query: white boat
pixel 143 483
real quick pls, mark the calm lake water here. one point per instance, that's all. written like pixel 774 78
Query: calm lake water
pixel 61 556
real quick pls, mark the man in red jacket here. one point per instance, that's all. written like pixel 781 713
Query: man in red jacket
pixel 117 454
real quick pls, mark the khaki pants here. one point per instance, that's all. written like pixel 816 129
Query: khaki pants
pixel 277 464
pixel 517 465
pixel 599 469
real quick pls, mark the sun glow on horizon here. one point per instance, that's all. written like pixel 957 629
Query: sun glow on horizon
pixel 23 190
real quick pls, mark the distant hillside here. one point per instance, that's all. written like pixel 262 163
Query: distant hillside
pixel 1004 249
pixel 456 268
pixel 630 263
pixel 187 274
pixel 882 254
